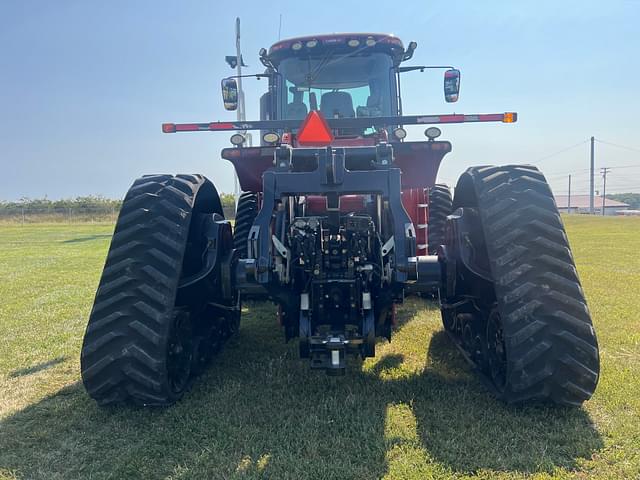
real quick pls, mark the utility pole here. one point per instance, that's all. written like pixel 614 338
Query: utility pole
pixel 591 211
pixel 604 185
pixel 569 196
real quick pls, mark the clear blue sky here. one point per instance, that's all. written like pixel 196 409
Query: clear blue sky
pixel 85 85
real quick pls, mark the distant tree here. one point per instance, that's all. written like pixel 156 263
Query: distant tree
pixel 632 199
pixel 228 201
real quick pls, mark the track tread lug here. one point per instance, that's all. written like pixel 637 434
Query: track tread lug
pixel 246 212
pixel 440 206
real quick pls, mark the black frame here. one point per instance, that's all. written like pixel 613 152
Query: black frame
pixel 331 178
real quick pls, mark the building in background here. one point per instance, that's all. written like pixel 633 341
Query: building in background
pixel 580 204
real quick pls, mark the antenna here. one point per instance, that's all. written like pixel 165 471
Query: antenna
pixel 241 111
pixel 280 27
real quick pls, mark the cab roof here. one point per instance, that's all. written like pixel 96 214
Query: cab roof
pixel 311 45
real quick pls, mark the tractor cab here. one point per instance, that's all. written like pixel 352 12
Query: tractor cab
pixel 341 76
pixel 348 76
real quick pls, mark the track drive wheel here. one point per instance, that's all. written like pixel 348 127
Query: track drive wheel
pixel 148 334
pixel 440 205
pixel 528 308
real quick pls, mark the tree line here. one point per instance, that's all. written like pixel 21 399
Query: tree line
pixel 85 203
pixel 93 202
pixel 632 199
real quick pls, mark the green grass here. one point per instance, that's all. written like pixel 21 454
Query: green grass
pixel 416 411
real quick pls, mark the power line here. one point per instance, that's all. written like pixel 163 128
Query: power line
pixel 586 170
pixel 557 177
pixel 625 147
pixel 637 165
pixel 566 149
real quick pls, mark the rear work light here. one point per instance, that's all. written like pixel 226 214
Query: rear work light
pixel 432 133
pixel 271 137
pixel 314 131
pixel 400 133
pixel 237 139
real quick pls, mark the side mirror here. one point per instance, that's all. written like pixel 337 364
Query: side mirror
pixel 230 93
pixel 451 85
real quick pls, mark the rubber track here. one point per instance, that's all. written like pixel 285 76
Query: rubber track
pixel 245 215
pixel 123 355
pixel 440 206
pixel 552 351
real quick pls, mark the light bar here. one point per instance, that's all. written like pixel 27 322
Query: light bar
pixel 508 117
pixel 199 127
pixel 338 123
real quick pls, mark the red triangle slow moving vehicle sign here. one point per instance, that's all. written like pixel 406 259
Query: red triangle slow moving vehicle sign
pixel 314 131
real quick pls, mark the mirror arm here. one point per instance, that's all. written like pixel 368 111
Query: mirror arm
pixel 267 63
pixel 423 67
pixel 264 59
pixel 256 75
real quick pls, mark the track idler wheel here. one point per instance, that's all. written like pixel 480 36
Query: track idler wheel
pixel 512 299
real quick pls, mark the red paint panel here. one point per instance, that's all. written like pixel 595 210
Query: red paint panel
pixel 250 163
pixel 413 200
pixel 419 162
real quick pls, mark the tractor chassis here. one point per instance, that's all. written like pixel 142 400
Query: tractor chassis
pixel 332 172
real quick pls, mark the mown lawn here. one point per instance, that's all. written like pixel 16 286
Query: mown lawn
pixel 416 411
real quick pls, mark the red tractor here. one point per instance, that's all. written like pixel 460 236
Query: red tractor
pixel 340 219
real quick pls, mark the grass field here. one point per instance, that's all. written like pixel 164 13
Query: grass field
pixel 416 411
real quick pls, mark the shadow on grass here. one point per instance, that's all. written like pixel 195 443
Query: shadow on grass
pixel 464 427
pixel 36 368
pixel 260 412
pixel 87 238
